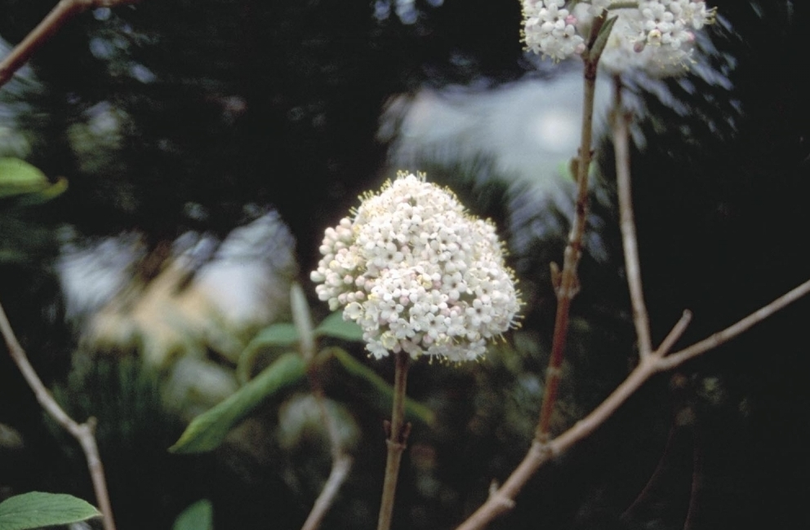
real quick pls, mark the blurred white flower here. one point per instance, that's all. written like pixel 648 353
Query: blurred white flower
pixel 418 273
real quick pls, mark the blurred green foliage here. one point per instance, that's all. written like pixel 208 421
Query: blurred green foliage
pixel 198 516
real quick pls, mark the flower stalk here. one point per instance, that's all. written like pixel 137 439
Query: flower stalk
pixel 398 432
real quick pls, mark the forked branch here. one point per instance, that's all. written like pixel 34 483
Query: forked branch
pixel 502 499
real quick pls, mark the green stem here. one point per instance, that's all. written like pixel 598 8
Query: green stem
pixel 623 5
pixel 398 432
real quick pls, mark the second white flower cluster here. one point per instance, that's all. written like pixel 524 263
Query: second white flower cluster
pixel 657 30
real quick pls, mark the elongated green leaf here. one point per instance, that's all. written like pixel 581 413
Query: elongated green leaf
pixel 198 516
pixel 377 385
pixel 602 39
pixel 37 509
pixel 207 431
pixel 335 326
pixel 283 334
pixel 302 318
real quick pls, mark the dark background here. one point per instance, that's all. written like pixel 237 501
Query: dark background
pixel 231 102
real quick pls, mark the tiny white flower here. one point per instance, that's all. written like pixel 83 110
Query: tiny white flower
pixel 353 311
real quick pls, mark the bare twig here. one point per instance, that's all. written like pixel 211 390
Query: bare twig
pixel 59 15
pixel 621 147
pixel 83 432
pixel 676 332
pixel 732 331
pixel 502 499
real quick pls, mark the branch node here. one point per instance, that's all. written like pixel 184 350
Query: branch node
pixel 544 449
pixel 506 502
pixel 493 488
pixel 556 277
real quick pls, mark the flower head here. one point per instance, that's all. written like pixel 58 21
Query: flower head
pixel 418 273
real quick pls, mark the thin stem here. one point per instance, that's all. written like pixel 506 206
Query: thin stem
pixel 674 334
pixel 337 476
pixel 621 146
pixel 84 432
pixel 568 282
pixel 53 21
pixel 341 462
pixel 623 5
pixel 398 432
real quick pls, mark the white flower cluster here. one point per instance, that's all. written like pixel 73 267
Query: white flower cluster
pixel 654 35
pixel 418 274
pixel 549 29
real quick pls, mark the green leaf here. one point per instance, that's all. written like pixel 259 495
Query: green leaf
pixel 302 320
pixel 377 385
pixel 198 516
pixel 602 39
pixel 37 509
pixel 283 335
pixel 18 177
pixel 208 430
pixel 335 326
